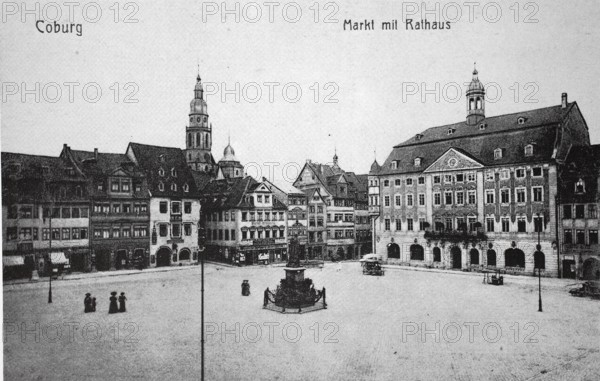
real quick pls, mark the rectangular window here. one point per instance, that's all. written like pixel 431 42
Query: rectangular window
pixel 114 186
pixel 35 234
pixel 460 177
pixel 460 198
pixel 267 198
pixel 422 223
pixel 398 200
pixel 568 236
pixel 437 179
pixel 505 196
pixel 471 177
pixel 187 229
pixel 12 234
pixel 448 198
pixel 421 199
pixel 536 172
pixel 244 235
pixel 126 232
pixel 398 224
pixel 175 207
pixel 520 195
pixel 25 212
pixel 489 196
pixel 163 207
pixel 56 234
pixel 116 233
pixel 504 174
pixel 521 225
pixel 437 198
pixel 579 211
pixel 127 208
pixel 409 200
pixel 520 173
pixel 386 201
pixel 187 207
pixel 116 208
pixel 387 224
pixel 409 224
pixel 460 223
pixel 580 237
pixel 125 186
pixel 592 234
pixel 232 235
pixel 537 194
pixel 397 182
pixel 567 211
pixel 592 211
pixel 83 233
pixel 448 178
pixel 45 234
pixel 227 234
pixel 472 197
pixel 244 216
pixel 421 180
pixel 139 231
pixel 226 216
pixel 449 224
pixel 259 198
pixel 489 225
pixel 162 230
pixel 409 181
pixel 66 212
pixel 221 234
pixel 489 175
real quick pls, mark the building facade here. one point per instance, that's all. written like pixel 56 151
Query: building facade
pixel 578 219
pixel 245 223
pixel 174 204
pixel 119 208
pixel 479 193
pixel 45 213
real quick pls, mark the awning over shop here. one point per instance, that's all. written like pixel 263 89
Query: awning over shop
pixel 13 260
pixel 58 258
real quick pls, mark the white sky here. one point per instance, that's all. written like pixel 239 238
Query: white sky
pixel 559 54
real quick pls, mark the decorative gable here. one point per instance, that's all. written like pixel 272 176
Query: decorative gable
pixel 453 160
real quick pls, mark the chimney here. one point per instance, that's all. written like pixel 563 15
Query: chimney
pixel 564 100
pixel 308 161
pixel 96 153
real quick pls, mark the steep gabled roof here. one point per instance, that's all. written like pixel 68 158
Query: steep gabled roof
pixel 152 159
pixel 539 128
pixel 231 194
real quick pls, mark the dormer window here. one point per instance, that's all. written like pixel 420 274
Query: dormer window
pixel 521 120
pixel 161 158
pixel 451 131
pixel 394 164
pixel 186 188
pixel 174 187
pixel 418 136
pixel 482 126
pixel 161 172
pixel 529 150
pixel 173 172
pixel 580 186
pixel 498 153
pixel 417 162
pixel 161 186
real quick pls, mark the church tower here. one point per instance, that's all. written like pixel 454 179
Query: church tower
pixel 475 101
pixel 199 134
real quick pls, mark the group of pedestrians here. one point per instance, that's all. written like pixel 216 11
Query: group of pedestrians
pixel 89 303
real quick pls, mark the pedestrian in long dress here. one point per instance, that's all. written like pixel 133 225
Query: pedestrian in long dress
pixel 113 308
pixel 122 300
pixel 87 303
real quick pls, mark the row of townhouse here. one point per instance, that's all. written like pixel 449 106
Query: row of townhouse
pixel 484 192
pixel 99 211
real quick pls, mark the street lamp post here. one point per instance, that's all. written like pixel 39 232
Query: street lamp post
pixel 201 248
pixel 50 258
pixel 537 263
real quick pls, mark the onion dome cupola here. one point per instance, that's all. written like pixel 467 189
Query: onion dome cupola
pixel 475 100
pixel 198 108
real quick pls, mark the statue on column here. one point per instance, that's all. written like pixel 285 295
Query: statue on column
pixel 293 255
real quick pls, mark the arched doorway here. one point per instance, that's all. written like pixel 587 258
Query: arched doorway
pixel 184 255
pixel 591 269
pixel 491 257
pixel 474 256
pixel 393 251
pixel 163 257
pixel 539 260
pixel 437 254
pixel 514 258
pixel 456 254
pixel 120 259
pixel 417 253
